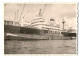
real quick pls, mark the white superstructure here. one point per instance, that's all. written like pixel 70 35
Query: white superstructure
pixel 40 23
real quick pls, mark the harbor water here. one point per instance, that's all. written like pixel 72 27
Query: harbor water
pixel 40 47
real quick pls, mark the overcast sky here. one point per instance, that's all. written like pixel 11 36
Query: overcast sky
pixel 57 11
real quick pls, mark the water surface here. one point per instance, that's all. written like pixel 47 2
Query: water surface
pixel 40 47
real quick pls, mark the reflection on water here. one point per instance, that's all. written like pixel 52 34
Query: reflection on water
pixel 40 47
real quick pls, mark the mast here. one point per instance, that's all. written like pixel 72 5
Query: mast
pixel 17 14
pixel 14 16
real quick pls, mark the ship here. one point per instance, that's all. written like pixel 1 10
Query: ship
pixel 37 29
pixel 68 33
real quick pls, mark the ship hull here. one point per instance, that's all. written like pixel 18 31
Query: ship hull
pixel 68 34
pixel 17 32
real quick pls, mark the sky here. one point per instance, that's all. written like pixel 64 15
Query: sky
pixel 57 11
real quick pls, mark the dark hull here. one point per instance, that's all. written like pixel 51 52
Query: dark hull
pixel 68 34
pixel 23 30
pixel 32 33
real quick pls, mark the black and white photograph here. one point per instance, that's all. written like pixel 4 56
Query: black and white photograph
pixel 40 28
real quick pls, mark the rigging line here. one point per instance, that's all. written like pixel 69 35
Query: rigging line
pixel 44 9
pixel 21 12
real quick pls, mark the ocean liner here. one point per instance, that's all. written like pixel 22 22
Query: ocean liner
pixel 37 29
